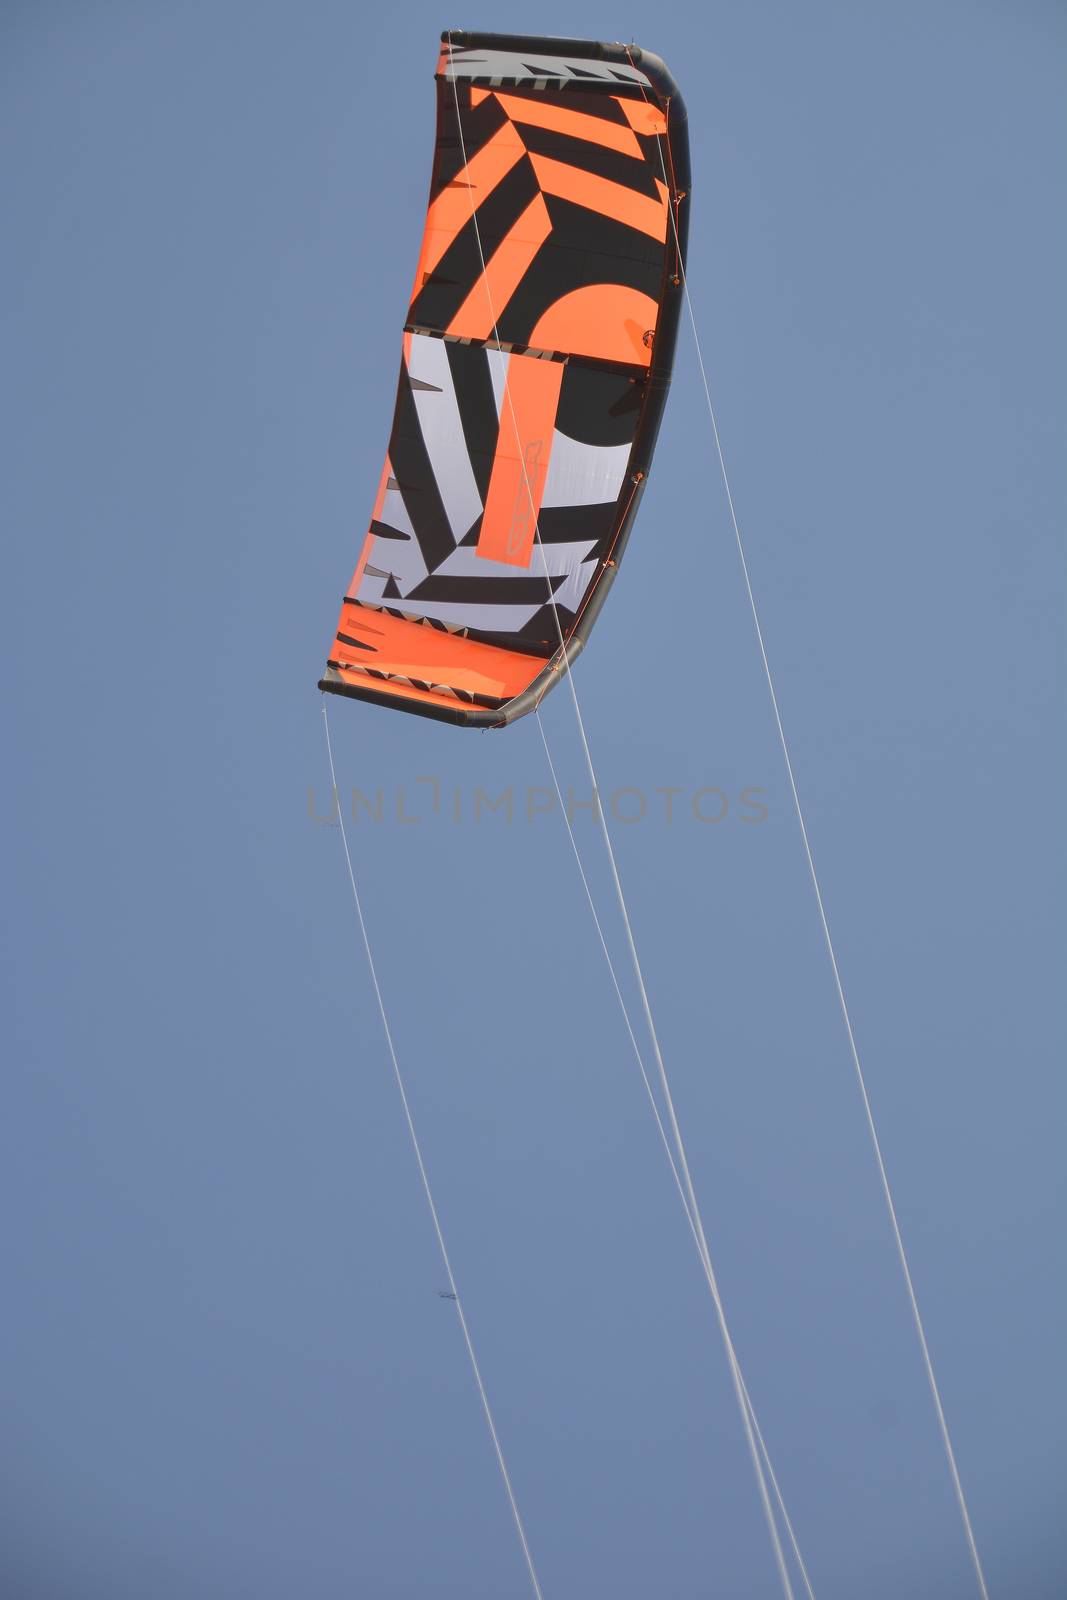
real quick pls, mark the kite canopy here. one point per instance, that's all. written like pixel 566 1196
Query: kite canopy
pixel 536 360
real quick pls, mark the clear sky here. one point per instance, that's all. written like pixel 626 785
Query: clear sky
pixel 225 1365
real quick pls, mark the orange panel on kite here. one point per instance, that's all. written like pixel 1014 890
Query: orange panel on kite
pixel 373 642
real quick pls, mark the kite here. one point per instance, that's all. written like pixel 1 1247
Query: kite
pixel 537 356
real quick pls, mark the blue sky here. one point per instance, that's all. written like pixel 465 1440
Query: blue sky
pixel 227 1371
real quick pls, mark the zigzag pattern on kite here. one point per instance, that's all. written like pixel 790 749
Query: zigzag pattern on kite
pixel 529 356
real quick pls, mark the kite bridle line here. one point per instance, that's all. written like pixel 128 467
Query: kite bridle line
pixel 692 1206
pixel 824 921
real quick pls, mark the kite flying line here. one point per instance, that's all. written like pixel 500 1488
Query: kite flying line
pixel 591 183
pixel 424 1175
pixel 883 1174
pixel 705 1264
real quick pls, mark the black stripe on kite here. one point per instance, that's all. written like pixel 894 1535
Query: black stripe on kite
pixel 411 463
pixel 469 366
pixel 485 591
pixel 632 172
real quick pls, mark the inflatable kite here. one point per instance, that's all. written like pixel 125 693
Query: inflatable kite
pixel 537 355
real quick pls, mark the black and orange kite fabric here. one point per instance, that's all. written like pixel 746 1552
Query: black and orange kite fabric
pixel 537 356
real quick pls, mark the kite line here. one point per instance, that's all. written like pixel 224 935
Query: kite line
pixel 883 1174
pixel 424 1175
pixel 705 1264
